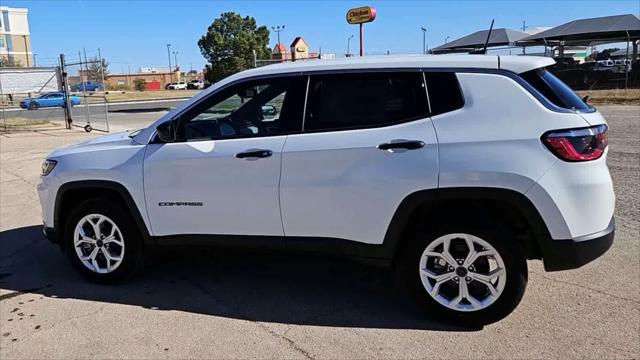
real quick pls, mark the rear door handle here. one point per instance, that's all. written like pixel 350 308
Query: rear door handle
pixel 402 144
pixel 254 153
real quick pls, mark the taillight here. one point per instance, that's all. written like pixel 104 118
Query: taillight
pixel 577 144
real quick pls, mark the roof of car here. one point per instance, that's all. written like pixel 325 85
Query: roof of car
pixel 517 64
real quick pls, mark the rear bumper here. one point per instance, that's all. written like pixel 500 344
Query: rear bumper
pixel 573 253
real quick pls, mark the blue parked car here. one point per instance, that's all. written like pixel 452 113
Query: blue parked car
pixel 52 99
pixel 86 86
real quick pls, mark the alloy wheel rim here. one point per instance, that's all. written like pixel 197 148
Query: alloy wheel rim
pixel 462 272
pixel 98 243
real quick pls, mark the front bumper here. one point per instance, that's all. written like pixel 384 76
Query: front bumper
pixel 573 253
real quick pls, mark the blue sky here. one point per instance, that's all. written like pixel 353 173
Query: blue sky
pixel 135 33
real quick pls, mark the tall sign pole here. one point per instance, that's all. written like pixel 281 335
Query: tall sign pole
pixel 360 16
pixel 360 39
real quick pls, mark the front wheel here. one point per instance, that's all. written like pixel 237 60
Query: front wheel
pixel 466 274
pixel 34 106
pixel 102 241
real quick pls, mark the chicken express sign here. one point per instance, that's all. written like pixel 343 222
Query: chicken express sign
pixel 359 16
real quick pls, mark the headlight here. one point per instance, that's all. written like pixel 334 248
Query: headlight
pixel 47 166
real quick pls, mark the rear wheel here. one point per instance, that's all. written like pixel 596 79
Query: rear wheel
pixel 465 274
pixel 102 242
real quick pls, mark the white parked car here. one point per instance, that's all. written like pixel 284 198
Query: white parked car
pixel 453 169
pixel 195 84
pixel 181 85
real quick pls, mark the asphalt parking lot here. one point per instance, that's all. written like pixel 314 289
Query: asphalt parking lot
pixel 211 304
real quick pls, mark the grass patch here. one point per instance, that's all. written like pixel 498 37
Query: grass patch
pixel 149 95
pixel 133 95
pixel 21 123
pixel 617 96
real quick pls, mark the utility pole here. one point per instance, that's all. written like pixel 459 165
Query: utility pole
pixel 26 49
pixel 34 60
pixel 424 39
pixel 175 63
pixel 278 29
pixel 169 56
pixel 348 42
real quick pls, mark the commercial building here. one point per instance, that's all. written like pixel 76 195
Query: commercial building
pixel 15 39
pixel 154 80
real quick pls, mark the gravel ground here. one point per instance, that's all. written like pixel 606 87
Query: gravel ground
pixel 210 304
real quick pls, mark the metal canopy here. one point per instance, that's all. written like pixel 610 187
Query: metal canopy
pixel 499 37
pixel 585 31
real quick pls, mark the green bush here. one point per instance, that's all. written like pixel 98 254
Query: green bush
pixel 139 84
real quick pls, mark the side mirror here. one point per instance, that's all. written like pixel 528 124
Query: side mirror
pixel 167 131
pixel 586 99
pixel 269 110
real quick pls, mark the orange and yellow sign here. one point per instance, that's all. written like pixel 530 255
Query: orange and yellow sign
pixel 361 15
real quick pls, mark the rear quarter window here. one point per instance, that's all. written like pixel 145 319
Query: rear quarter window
pixel 444 92
pixel 554 90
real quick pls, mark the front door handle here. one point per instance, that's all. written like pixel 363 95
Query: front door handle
pixel 254 153
pixel 402 144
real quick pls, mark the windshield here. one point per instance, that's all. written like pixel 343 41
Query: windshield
pixel 554 89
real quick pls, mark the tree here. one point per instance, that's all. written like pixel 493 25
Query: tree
pixel 9 62
pixel 94 72
pixel 229 43
pixel 139 84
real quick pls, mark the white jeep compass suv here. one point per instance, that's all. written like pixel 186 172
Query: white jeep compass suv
pixel 455 169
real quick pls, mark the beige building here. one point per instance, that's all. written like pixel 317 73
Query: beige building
pixel 154 80
pixel 15 39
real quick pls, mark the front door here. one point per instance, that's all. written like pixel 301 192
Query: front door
pixel 221 175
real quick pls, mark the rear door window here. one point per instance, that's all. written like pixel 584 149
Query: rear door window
pixel 554 89
pixel 353 101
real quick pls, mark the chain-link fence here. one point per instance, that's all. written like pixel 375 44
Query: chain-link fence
pixel 84 81
pixel 30 97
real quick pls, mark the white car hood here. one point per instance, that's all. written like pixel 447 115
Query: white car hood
pixel 116 140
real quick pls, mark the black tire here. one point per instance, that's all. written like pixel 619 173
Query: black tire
pixel 133 246
pixel 506 246
pixel 88 128
pixel 34 105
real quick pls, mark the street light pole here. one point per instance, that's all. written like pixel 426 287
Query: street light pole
pixel 169 55
pixel 348 43
pixel 175 58
pixel 424 39
pixel 278 29
pixel 175 63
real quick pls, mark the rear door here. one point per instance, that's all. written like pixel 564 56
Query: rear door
pixel 367 143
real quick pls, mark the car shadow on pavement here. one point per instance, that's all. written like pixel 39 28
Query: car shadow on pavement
pixel 288 289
